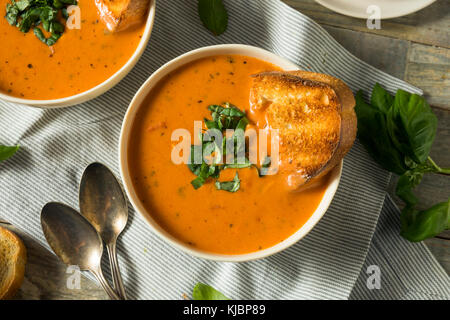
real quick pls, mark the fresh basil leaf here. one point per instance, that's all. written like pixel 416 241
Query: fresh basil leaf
pixel 212 124
pixel 213 148
pixel 53 38
pixel 406 183
pixel 69 2
pixel 230 186
pixel 213 15
pixel 28 19
pixel 246 164
pixel 195 159
pixel 47 13
pixel 214 171
pixel 58 4
pixel 381 99
pixel 198 182
pixel 420 225
pixel 227 116
pixel 412 125
pixel 64 13
pixel 242 124
pixel 373 134
pixel 6 152
pixel 40 35
pixel 265 166
pixel 57 27
pixel 206 171
pixel 203 174
pixel 205 292
pixel 22 4
pixel 11 14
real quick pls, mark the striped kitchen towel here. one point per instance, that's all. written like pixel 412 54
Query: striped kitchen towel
pixel 330 263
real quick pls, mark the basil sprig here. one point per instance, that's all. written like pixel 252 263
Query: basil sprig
pixel 27 14
pixel 225 116
pixel 398 132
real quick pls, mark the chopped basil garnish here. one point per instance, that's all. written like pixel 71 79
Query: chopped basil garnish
pixel 27 14
pixel 225 116
pixel 231 186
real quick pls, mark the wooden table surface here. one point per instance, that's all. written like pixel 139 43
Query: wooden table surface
pixel 415 48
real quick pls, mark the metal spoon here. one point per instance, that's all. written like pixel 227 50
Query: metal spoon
pixel 74 240
pixel 103 203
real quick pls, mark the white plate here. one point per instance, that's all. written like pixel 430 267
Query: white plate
pixel 389 8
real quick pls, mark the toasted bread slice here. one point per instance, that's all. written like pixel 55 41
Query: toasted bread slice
pixel 119 15
pixel 13 258
pixel 315 117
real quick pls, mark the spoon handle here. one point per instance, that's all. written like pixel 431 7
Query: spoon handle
pixel 105 285
pixel 115 271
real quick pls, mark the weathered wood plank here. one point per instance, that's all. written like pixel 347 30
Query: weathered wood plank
pixel 424 66
pixel 428 26
pixel 376 50
pixel 440 248
pixel 428 67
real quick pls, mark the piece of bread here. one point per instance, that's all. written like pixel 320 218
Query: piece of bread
pixel 119 15
pixel 315 116
pixel 13 258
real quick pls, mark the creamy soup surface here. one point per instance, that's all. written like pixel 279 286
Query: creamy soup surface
pixel 80 60
pixel 259 215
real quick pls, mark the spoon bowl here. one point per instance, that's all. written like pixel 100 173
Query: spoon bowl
pixel 103 204
pixel 74 240
pixel 71 236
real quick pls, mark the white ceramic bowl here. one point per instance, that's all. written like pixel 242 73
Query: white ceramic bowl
pixel 102 87
pixel 125 136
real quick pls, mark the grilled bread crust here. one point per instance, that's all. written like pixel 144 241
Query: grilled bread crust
pixel 13 258
pixel 119 15
pixel 315 118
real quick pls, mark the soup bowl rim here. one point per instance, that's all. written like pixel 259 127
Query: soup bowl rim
pixel 101 87
pixel 127 125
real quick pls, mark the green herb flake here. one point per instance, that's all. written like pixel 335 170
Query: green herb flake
pixel 230 186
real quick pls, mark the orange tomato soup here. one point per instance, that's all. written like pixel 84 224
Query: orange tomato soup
pixel 80 60
pixel 259 215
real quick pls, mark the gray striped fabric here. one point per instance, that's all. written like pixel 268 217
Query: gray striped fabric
pixel 58 144
pixel 408 271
